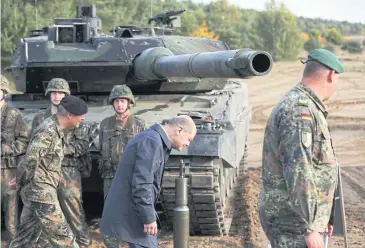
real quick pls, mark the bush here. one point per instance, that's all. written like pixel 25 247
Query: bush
pixel 330 47
pixel 352 46
pixel 334 36
pixel 311 44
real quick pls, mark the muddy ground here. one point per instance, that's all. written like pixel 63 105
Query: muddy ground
pixel 347 121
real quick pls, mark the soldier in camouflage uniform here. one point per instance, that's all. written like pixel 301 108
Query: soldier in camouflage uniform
pixel 75 164
pixel 42 222
pixel 115 132
pixel 299 167
pixel 14 141
pixel 57 88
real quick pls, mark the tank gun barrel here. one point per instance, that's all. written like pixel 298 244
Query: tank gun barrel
pixel 160 63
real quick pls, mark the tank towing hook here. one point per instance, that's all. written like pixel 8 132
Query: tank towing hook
pixel 181 211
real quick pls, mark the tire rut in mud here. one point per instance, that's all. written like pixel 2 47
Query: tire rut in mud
pixel 246 223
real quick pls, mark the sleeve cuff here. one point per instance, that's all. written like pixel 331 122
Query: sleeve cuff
pixel 148 219
pixel 315 227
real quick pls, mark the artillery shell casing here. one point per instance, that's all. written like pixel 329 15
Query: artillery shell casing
pixel 181 194
pixel 181 214
pixel 181 227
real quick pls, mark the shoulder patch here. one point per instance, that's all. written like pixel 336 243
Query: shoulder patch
pixel 306 138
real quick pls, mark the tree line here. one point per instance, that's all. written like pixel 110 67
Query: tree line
pixel 275 29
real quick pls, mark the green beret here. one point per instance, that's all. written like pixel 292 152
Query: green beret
pixel 326 58
pixel 74 105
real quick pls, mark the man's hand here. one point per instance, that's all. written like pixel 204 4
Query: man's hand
pixel 12 183
pixel 151 229
pixel 5 149
pixel 328 231
pixel 314 240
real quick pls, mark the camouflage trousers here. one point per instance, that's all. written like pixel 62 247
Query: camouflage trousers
pixel 107 184
pixel 43 226
pixel 287 241
pixel 109 241
pixel 70 198
pixel 9 202
pixel 283 239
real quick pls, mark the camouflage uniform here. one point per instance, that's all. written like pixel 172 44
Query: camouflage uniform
pixel 14 141
pixel 113 138
pixel 42 221
pixel 76 160
pixel 299 170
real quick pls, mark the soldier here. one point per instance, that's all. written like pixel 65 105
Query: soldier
pixel 115 132
pixel 57 89
pixel 43 223
pixel 14 141
pixel 299 168
pixel 75 163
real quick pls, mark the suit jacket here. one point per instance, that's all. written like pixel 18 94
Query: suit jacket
pixel 136 187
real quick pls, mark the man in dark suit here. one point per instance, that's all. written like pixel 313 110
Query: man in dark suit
pixel 129 210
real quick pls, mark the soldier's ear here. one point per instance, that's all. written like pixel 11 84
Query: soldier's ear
pixel 331 76
pixel 69 115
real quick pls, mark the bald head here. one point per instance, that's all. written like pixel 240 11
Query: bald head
pixel 181 131
pixel 183 121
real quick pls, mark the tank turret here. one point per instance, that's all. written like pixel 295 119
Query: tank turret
pixel 168 75
pixel 93 62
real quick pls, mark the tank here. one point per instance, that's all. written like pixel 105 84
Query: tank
pixel 169 75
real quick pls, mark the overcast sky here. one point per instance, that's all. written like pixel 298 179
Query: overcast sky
pixel 340 10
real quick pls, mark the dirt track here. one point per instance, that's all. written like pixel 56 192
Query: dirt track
pixel 347 121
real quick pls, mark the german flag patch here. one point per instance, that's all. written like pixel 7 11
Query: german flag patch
pixel 307 117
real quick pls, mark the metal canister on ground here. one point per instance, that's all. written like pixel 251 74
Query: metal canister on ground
pixel 181 211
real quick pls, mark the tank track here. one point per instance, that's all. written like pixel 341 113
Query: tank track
pixel 209 188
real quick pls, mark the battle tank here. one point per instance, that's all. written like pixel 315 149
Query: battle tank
pixel 169 75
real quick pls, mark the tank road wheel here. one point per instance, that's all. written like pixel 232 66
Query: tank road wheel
pixel 209 187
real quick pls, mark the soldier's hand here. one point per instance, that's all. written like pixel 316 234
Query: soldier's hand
pixel 314 240
pixel 328 231
pixel 5 149
pixel 12 183
pixel 151 229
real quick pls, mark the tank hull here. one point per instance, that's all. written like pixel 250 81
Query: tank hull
pixel 212 160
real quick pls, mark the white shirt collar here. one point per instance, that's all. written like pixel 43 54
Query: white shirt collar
pixel 164 130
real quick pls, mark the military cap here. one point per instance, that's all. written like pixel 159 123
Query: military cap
pixel 74 105
pixel 327 59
